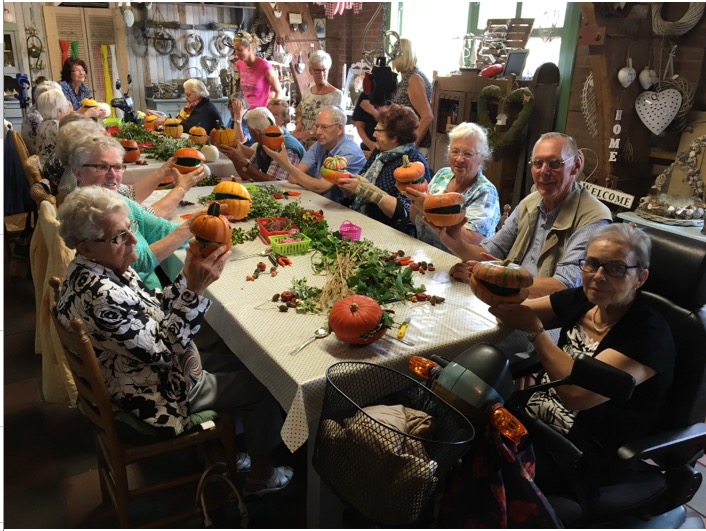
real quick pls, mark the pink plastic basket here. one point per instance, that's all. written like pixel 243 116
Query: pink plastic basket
pixel 350 231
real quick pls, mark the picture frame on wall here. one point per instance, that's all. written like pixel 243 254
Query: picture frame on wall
pixel 320 26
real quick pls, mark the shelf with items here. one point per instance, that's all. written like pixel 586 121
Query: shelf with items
pixel 11 58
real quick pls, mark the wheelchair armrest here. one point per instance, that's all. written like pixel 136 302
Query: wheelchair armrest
pixel 669 449
pixel 551 440
pixel 525 366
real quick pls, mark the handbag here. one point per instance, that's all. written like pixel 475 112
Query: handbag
pixel 218 473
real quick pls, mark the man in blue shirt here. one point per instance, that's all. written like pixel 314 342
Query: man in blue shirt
pixel 331 140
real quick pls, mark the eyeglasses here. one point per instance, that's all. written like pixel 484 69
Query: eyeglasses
pixel 122 236
pixel 103 169
pixel 466 155
pixel 554 164
pixel 378 130
pixel 324 127
pixel 612 269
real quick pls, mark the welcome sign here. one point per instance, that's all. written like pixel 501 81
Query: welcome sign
pixel 615 197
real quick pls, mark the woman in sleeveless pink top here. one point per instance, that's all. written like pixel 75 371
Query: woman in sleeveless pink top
pixel 257 77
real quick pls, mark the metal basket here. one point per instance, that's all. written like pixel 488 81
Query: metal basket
pixel 372 467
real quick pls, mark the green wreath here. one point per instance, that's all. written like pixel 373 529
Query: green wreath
pixel 521 96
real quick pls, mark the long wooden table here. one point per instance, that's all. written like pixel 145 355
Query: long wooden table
pixel 223 167
pixel 252 326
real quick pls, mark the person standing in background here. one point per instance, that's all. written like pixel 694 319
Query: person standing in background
pixel 257 77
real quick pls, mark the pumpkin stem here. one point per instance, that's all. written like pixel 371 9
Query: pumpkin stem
pixel 405 161
pixel 354 307
pixel 214 209
pixel 129 136
pixel 506 262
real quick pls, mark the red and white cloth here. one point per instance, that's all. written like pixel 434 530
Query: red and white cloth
pixel 337 8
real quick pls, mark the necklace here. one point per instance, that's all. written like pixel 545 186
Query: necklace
pixel 599 331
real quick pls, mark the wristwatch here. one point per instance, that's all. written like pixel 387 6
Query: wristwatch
pixel 531 336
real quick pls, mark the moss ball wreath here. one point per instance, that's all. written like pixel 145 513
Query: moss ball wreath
pixel 522 96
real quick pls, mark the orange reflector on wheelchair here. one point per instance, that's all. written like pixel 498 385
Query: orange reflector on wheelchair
pixel 507 424
pixel 421 366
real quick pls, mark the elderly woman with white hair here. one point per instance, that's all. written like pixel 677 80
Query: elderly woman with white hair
pixel 198 111
pixel 252 163
pixel 468 151
pixel 52 106
pixel 317 96
pixel 33 118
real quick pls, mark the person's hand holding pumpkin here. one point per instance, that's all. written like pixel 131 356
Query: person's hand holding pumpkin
pixel 517 316
pixel 463 270
pixel 417 197
pixel 188 180
pixel 348 185
pixel 235 154
pixel 200 272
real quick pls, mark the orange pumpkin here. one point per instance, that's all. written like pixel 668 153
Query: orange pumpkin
pixel 198 135
pixel 210 230
pixel 331 169
pixel 173 127
pixel 132 150
pixel 497 282
pixel 411 175
pixel 357 320
pixel 235 197
pixel 150 122
pixel 225 137
pixel 188 159
pixel 212 134
pixel 272 137
pixel 89 103
pixel 444 210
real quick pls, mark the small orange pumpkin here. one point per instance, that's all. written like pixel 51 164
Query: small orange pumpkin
pixel 331 170
pixel 212 134
pixel 357 320
pixel 272 137
pixel 187 159
pixel 173 127
pixel 210 230
pixel 497 282
pixel 198 135
pixel 444 210
pixel 89 103
pixel 411 175
pixel 150 122
pixel 225 137
pixel 235 197
pixel 132 150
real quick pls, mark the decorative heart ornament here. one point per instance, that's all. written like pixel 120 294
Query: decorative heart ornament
pixel 647 78
pixel 209 63
pixel 178 60
pixel 627 75
pixel 658 109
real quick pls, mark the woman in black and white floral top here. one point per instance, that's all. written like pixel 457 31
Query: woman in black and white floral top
pixel 144 339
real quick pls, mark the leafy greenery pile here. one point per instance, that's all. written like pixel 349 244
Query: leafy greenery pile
pixel 163 146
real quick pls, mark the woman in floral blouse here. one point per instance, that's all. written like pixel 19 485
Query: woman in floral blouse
pixel 33 118
pixel 144 340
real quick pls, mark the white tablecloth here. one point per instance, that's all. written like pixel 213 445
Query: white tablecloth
pixel 261 336
pixel 223 167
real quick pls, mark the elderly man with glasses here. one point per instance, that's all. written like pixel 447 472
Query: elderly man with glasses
pixel 331 140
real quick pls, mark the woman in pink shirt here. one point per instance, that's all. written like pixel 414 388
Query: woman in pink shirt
pixel 257 77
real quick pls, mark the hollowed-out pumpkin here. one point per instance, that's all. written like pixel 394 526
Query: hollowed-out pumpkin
pixel 132 150
pixel 225 137
pixel 410 175
pixel 198 135
pixel 89 103
pixel 272 137
pixel 497 282
pixel 332 169
pixel 210 230
pixel 150 122
pixel 235 197
pixel 173 127
pixel 357 320
pixel 187 159
pixel 445 210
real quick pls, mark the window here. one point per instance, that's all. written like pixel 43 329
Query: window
pixel 553 38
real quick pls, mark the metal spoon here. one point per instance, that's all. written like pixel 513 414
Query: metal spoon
pixel 321 332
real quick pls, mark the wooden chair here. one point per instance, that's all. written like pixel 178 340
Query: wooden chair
pixel 113 452
pixel 39 189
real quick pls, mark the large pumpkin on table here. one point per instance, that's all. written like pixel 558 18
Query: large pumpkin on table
pixel 235 196
pixel 497 282
pixel 332 169
pixel 357 320
pixel 210 230
pixel 198 135
pixel 411 175
pixel 173 127
pixel 187 159
pixel 444 210
pixel 132 150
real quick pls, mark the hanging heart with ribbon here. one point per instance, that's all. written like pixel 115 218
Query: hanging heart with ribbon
pixel 647 78
pixel 179 60
pixel 658 109
pixel 209 63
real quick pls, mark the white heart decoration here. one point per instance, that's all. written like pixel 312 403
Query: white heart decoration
pixel 647 78
pixel 658 109
pixel 626 76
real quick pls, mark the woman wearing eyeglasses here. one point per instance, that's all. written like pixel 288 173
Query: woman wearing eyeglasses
pixel 374 192
pixel 257 77
pixel 316 96
pixel 468 151
pixel 99 161
pixel 144 340
pixel 609 320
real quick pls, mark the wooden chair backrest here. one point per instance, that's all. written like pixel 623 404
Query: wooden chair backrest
pixel 32 170
pixel 20 147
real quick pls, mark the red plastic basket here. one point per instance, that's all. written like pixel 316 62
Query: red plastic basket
pixel 265 234
pixel 350 231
